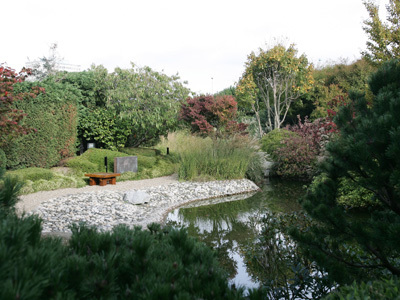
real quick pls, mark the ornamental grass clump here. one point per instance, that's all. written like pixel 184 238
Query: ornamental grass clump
pixel 215 159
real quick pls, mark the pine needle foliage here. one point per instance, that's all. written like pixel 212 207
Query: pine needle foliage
pixel 158 263
pixel 366 152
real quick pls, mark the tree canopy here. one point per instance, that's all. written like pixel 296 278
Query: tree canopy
pixel 150 100
pixel 384 37
pixel 274 79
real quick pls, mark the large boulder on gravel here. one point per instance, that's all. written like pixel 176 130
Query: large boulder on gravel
pixel 136 197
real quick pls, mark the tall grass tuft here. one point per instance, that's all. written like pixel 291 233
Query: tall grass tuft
pixel 211 159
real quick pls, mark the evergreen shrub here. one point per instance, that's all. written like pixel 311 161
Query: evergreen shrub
pixel 366 153
pixel 159 263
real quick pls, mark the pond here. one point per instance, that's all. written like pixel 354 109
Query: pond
pixel 232 225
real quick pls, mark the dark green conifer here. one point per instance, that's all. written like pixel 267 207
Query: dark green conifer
pixel 367 152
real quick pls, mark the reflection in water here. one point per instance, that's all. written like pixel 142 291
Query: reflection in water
pixel 230 227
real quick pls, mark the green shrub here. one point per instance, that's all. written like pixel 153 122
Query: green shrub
pixel 354 196
pixel 386 289
pixel 58 182
pixel 350 195
pixel 93 160
pixel 81 164
pixel 273 140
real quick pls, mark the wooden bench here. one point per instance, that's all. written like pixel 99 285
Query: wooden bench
pixel 102 178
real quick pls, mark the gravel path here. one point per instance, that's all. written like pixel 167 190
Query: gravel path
pixel 30 202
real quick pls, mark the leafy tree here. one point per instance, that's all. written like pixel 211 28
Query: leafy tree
pixel 103 126
pixel 276 78
pixel 91 84
pixel 366 152
pixel 338 80
pixel 11 119
pixel 384 41
pixel 150 100
pixel 208 115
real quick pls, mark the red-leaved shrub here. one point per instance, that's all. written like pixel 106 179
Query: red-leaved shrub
pixel 210 115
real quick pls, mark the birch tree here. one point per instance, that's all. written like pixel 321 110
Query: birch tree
pixel 274 79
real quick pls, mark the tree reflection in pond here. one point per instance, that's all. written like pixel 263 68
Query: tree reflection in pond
pixel 230 227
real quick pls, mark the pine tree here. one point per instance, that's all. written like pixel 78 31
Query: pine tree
pixel 367 152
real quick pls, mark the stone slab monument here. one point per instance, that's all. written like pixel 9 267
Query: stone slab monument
pixel 125 164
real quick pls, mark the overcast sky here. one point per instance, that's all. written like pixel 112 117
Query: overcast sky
pixel 200 39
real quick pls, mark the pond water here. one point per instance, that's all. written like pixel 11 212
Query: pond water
pixel 231 226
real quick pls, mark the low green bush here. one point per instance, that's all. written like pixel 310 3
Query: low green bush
pixel 352 195
pixel 32 174
pixel 58 182
pixel 159 263
pixel 273 140
pixel 81 164
pixel 386 289
pixel 93 160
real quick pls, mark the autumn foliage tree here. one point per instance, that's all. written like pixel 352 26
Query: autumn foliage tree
pixel 273 80
pixel 209 115
pixel 383 37
pixel 11 119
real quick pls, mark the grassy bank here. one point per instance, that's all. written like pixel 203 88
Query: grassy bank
pixel 151 164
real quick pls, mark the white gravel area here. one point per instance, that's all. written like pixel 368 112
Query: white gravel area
pixel 104 207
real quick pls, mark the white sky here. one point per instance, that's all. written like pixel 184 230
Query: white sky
pixel 200 40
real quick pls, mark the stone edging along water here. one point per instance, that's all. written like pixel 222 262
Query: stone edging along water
pixel 106 209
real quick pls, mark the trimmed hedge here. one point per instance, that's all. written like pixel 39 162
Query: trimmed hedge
pixel 54 116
